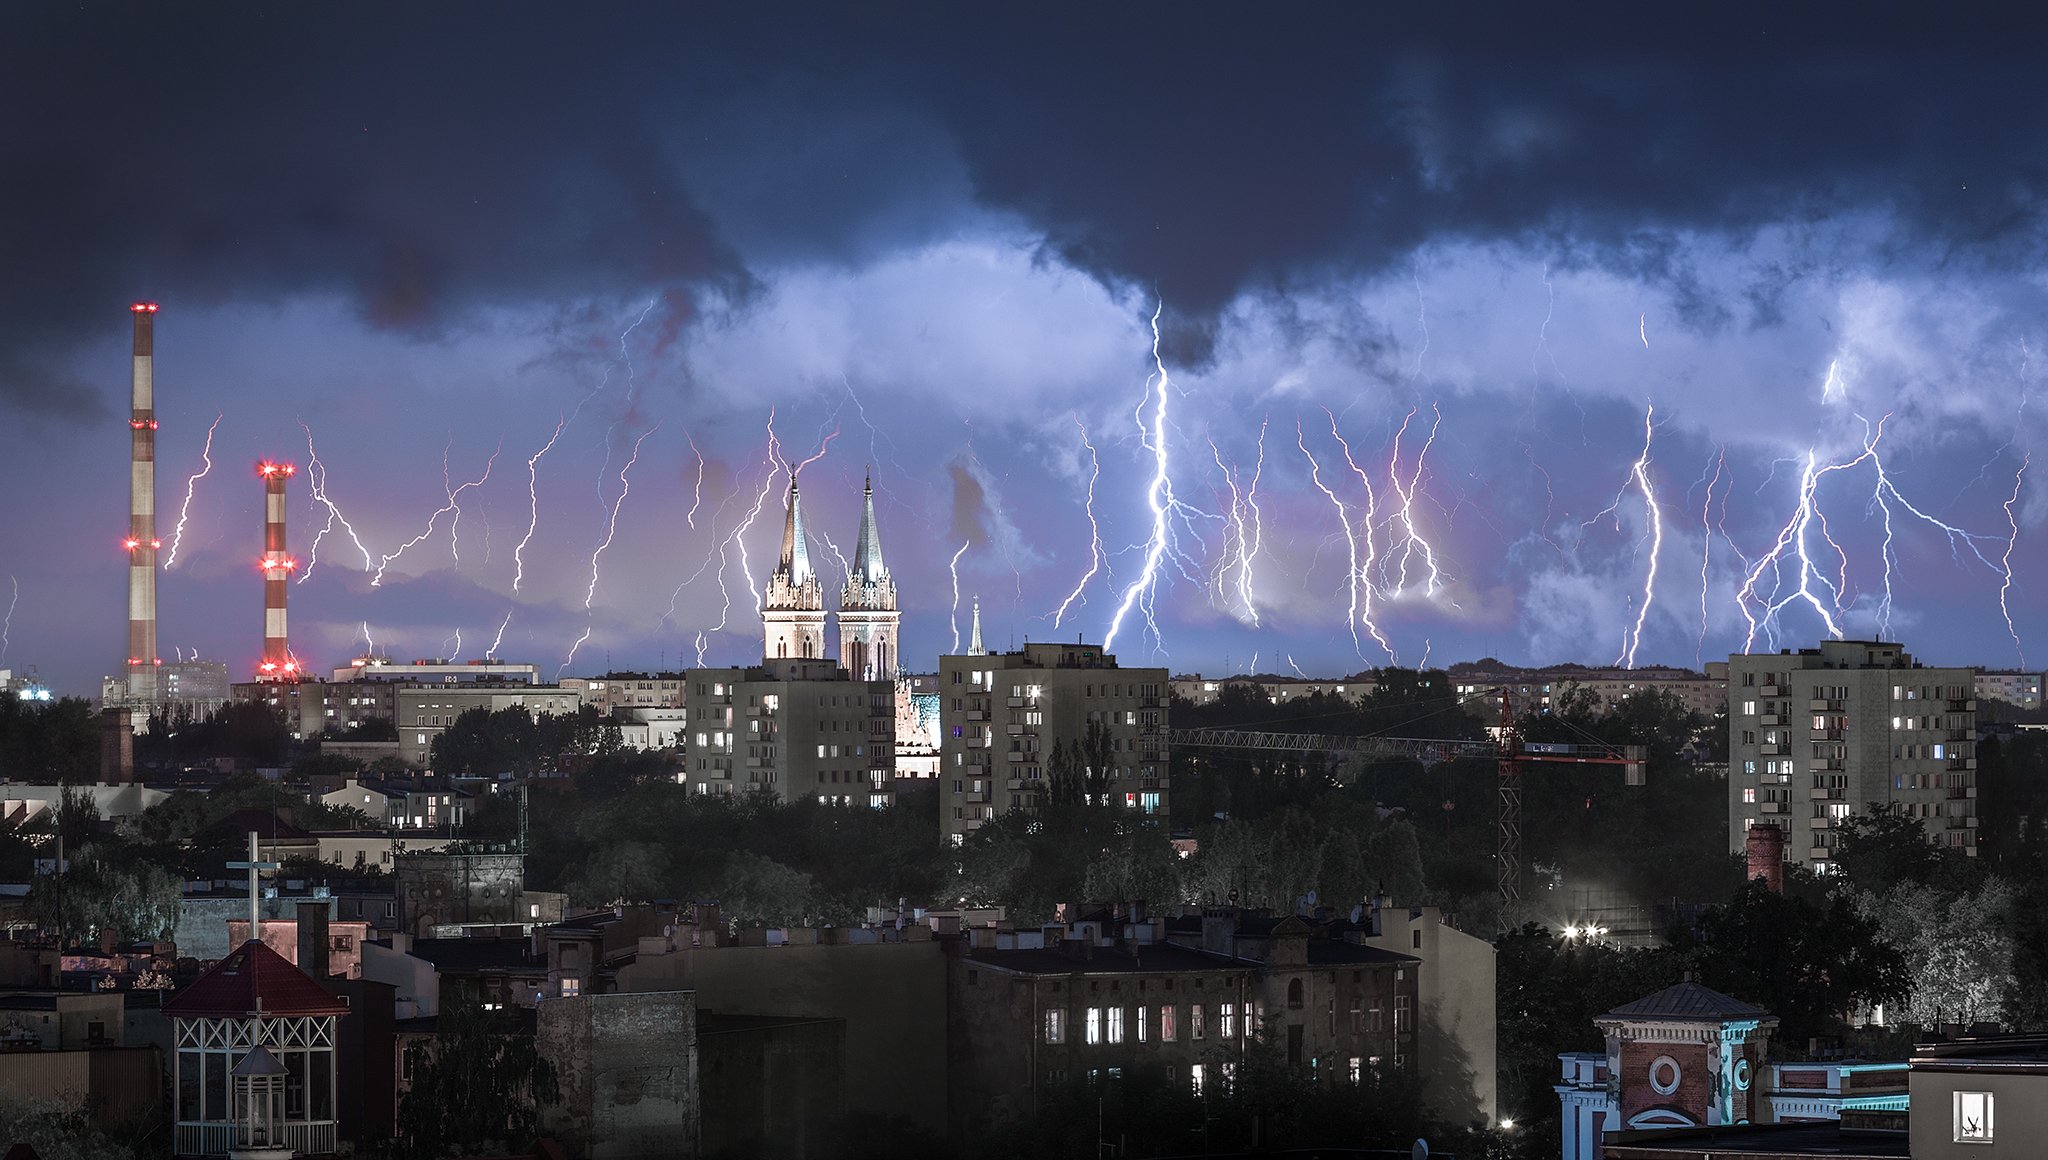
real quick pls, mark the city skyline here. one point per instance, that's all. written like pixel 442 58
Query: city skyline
pixel 964 252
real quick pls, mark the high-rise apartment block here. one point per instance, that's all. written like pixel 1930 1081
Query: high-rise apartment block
pixel 1817 735
pixel 1002 714
pixel 798 727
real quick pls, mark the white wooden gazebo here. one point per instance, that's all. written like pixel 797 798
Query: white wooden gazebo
pixel 254 999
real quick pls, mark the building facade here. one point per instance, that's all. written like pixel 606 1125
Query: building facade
pixel 795 727
pixel 1001 716
pixel 2021 690
pixel 1110 992
pixel 1818 735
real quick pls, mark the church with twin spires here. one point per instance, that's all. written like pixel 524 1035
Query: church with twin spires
pixel 793 605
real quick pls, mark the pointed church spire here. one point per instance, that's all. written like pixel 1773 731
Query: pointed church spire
pixel 974 648
pixel 796 552
pixel 867 555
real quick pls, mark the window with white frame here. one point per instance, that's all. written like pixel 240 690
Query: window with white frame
pixel 1973 1117
pixel 1141 1025
pixel 1055 1026
pixel 1094 1025
pixel 1169 1031
pixel 1115 1025
pixel 1226 1020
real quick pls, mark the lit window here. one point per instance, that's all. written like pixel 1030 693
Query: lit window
pixel 1094 1025
pixel 1226 1020
pixel 1973 1117
pixel 1141 1025
pixel 1116 1025
pixel 1169 1032
pixel 1196 1075
pixel 1055 1026
pixel 1357 1069
pixel 1197 1027
pixel 571 987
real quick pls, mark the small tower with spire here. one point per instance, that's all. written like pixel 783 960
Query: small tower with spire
pixel 793 606
pixel 868 618
pixel 974 647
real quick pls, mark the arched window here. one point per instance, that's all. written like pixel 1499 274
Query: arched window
pixel 1294 993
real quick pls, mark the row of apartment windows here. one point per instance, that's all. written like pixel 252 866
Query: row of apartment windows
pixel 1199 1073
pixel 1106 1025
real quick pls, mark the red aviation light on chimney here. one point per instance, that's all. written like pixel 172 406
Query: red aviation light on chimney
pixel 131 544
pixel 144 308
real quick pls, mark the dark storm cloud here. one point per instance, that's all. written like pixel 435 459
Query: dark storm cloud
pixel 425 160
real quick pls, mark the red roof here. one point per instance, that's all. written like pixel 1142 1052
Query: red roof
pixel 231 987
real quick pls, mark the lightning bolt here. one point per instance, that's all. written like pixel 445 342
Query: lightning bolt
pixel 2012 541
pixel 533 503
pixel 454 505
pixel 1707 551
pixel 612 525
pixel 1834 390
pixel 1159 497
pixel 597 554
pixel 316 483
pixel 455 655
pixel 1245 531
pixel 1295 667
pixel 1351 571
pixel 1362 593
pixel 369 644
pixel 1094 539
pixel 696 497
pixel 7 625
pixel 1641 474
pixel 491 653
pixel 738 539
pixel 953 566
pixel 1405 513
pixel 191 485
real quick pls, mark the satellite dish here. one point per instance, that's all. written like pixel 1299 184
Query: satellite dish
pixel 1420 1151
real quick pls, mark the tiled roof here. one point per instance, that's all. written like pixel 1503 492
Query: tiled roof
pixel 253 978
pixel 1686 1001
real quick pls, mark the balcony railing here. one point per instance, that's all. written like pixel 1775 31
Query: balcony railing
pixel 213 1138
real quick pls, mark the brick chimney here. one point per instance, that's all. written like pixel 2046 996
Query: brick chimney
pixel 313 941
pixel 1765 848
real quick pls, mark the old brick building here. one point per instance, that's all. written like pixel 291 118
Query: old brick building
pixel 1113 989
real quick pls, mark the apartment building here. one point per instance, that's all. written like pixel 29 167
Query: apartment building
pixel 1002 714
pixel 2022 690
pixel 1112 990
pixel 797 726
pixel 1817 735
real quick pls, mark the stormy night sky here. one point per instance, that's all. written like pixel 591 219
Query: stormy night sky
pixel 426 236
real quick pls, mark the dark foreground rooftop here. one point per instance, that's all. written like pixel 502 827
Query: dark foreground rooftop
pixel 1784 1140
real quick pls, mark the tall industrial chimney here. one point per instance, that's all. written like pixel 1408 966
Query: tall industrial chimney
pixel 142 543
pixel 277 566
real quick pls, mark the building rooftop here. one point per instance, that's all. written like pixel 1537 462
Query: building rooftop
pixel 1687 1001
pixel 253 978
pixel 462 955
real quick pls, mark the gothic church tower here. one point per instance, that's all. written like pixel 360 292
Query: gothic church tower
pixel 793 607
pixel 867 608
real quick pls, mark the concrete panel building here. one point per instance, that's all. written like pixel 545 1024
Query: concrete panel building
pixel 798 727
pixel 1817 735
pixel 1002 714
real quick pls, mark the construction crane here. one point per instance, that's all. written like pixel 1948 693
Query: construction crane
pixel 1509 751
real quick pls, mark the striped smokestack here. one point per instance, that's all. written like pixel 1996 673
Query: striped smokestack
pixel 277 566
pixel 142 543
